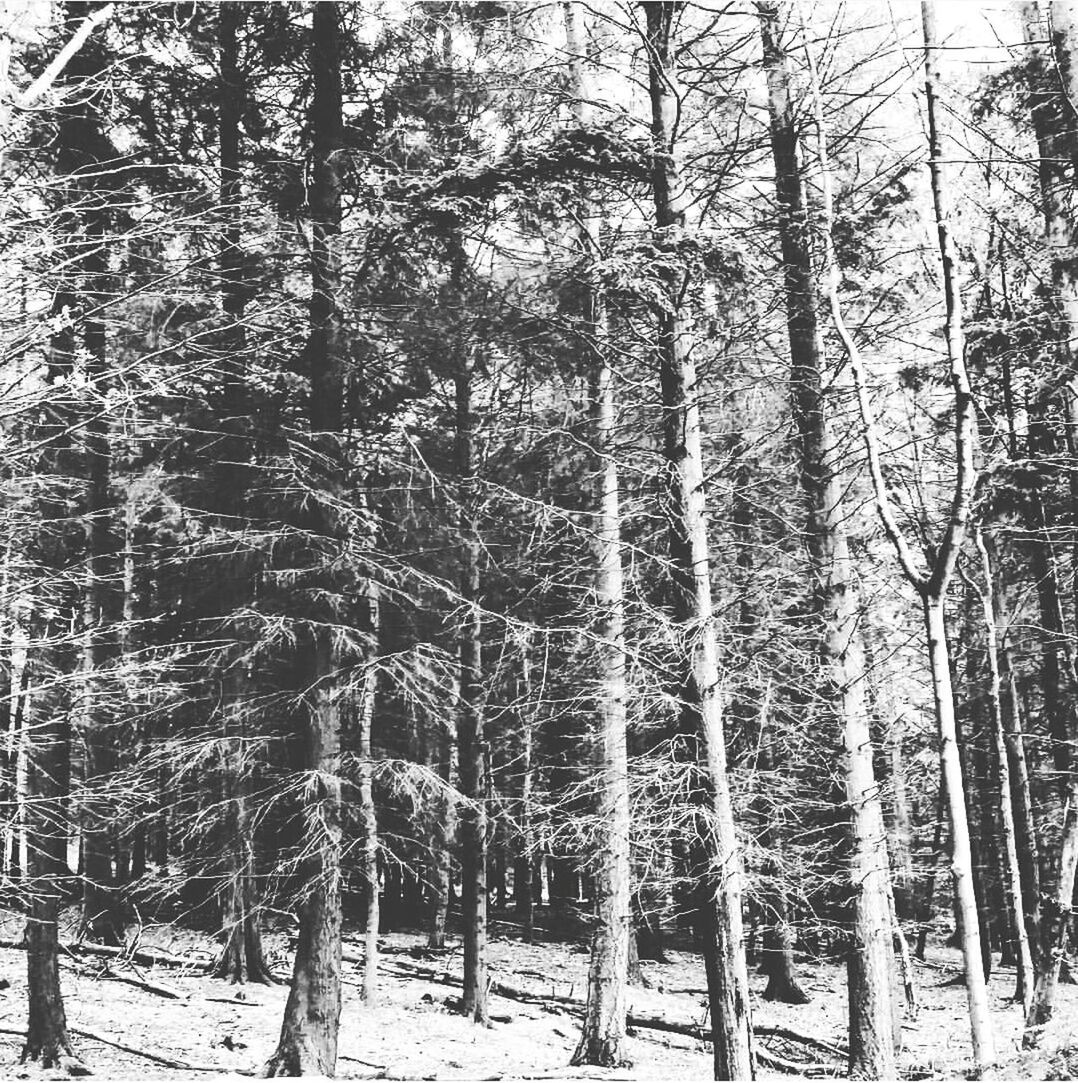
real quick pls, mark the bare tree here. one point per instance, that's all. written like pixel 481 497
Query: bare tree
pixel 702 696
pixel 603 1036
pixel 308 1042
pixel 838 604
pixel 932 584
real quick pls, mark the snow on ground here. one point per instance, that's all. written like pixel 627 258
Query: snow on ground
pixel 413 1033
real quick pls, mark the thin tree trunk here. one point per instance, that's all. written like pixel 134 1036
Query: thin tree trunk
pixel 524 884
pixel 470 741
pixel 1013 882
pixel 927 907
pixel 902 854
pixel 308 1042
pixel 702 693
pixel 1024 823
pixel 961 856
pixel 368 699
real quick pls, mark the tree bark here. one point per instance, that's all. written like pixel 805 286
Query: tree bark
pixel 836 599
pixel 82 147
pixel 308 1042
pixel 701 693
pixel 1013 879
pixel 961 856
pixel 470 742
pixel 1055 79
pixel 932 585
pixel 602 1040
pixel 367 702
pixel 241 958
pixel 47 1037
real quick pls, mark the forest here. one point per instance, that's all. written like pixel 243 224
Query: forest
pixel 539 540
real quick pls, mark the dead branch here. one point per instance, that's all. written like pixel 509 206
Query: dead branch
pixel 156 1058
pixel 144 956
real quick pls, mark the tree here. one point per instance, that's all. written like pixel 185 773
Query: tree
pixel 932 585
pixel 603 1036
pixel 308 1042
pixel 838 606
pixel 701 690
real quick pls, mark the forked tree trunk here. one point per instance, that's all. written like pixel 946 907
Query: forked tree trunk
pixel 841 651
pixel 308 1042
pixel 470 743
pixel 932 585
pixel 702 695
pixel 602 1041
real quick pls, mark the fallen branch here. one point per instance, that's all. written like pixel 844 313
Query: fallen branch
pixel 839 1051
pixel 795 1067
pixel 144 956
pixel 643 1022
pixel 365 1063
pixel 156 1058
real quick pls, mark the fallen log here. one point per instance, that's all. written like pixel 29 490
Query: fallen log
pixel 143 956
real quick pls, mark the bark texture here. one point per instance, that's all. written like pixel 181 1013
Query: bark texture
pixel 470 742
pixel 701 692
pixel 837 603
pixel 308 1042
pixel 603 1037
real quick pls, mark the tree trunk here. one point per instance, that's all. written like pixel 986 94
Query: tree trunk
pixel 470 742
pixel 932 585
pixel 524 882
pixel 1055 82
pixel 841 651
pixel 961 855
pixel 1058 909
pixel 701 692
pixel 47 1038
pixel 241 958
pixel 602 1041
pixel 308 1042
pixel 84 143
pixel 1013 878
pixel 1024 823
pixel 368 699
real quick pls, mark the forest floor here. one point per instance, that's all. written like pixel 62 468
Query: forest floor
pixel 209 1029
